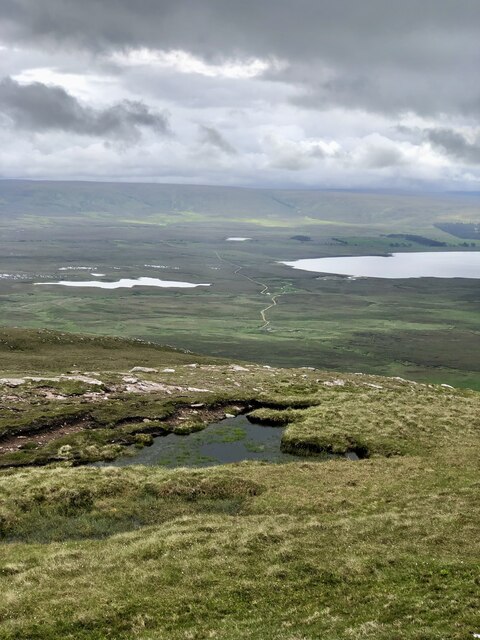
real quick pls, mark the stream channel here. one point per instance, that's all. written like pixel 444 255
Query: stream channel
pixel 230 440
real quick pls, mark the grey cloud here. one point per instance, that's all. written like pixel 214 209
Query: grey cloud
pixel 291 162
pixel 39 107
pixel 211 136
pixel 382 55
pixel 259 28
pixel 455 144
pixel 388 88
pixel 291 155
pixel 382 158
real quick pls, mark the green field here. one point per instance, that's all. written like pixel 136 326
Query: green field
pixel 425 329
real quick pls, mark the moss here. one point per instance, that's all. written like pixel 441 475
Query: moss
pixel 132 408
pixel 38 417
pixel 274 417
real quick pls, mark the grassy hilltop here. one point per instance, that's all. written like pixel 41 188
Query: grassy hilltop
pixel 382 547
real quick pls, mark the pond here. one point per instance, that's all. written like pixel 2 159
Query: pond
pixel 438 264
pixel 126 283
pixel 230 440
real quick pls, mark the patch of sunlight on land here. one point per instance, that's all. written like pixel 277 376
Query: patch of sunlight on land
pixel 164 219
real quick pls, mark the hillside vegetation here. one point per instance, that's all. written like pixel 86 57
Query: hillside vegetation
pixel 383 547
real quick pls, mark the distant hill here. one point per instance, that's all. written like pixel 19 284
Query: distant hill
pixel 24 197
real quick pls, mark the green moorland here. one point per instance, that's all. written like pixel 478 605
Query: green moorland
pixel 383 547
pixel 255 309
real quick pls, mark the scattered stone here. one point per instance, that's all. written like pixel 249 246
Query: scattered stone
pixel 85 379
pixel 95 395
pixel 130 379
pixel 168 370
pixel 145 386
pixel 229 415
pixel 197 405
pixel 12 382
pixel 144 369
pixel 49 395
pixel 334 383
pixel 447 386
pixel 237 367
pixel 403 380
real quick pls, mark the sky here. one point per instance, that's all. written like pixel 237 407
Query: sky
pixel 305 94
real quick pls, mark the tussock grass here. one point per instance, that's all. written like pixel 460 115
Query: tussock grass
pixel 385 422
pixel 377 549
pixel 386 547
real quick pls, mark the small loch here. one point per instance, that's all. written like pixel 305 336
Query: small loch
pixel 126 283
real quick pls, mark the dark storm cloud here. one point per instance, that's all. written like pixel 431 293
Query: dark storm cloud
pixel 213 137
pixel 380 55
pixel 333 29
pixel 39 107
pixel 455 145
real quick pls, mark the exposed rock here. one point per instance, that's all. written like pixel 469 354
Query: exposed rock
pixel 403 380
pixel 12 382
pixel 334 383
pixel 49 395
pixel 145 386
pixel 15 382
pixel 144 369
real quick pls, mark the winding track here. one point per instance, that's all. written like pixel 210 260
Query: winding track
pixel 265 290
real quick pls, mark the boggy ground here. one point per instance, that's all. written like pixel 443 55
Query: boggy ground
pixel 86 416
pixel 386 547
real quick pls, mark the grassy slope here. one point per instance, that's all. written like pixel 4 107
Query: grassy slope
pixel 383 548
pixel 39 351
